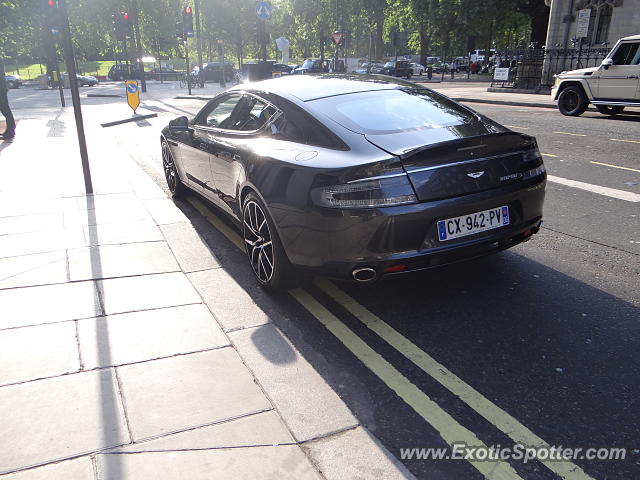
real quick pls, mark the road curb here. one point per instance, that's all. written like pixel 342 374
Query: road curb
pixel 503 102
pixel 105 95
pixel 192 97
pixel 126 120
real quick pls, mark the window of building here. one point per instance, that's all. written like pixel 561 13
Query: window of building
pixel 602 25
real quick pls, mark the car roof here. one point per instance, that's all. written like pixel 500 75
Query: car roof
pixel 632 37
pixel 311 87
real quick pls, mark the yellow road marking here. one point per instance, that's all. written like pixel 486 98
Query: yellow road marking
pixel 621 140
pixel 616 166
pixel 491 412
pixel 549 155
pixel 515 126
pixel 216 222
pixel 574 134
pixel 448 428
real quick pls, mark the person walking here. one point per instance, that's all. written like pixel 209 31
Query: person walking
pixel 10 130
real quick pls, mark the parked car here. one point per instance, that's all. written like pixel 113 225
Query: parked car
pixel 403 69
pixel 164 73
pixel 211 71
pixel 13 81
pixel 122 71
pixel 611 87
pixel 373 67
pixel 281 68
pixel 89 80
pixel 356 177
pixel 416 68
pixel 313 66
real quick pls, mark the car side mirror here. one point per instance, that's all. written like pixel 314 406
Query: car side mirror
pixel 606 63
pixel 180 124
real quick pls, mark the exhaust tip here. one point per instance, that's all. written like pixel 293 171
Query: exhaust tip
pixel 364 275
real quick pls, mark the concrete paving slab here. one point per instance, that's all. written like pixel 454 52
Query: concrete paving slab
pixel 77 469
pixel 17 204
pixel 264 428
pixel 127 232
pixel 42 351
pixel 30 223
pixel 48 304
pixel 116 201
pixel 140 336
pixel 164 211
pixel 264 463
pixel 355 454
pixel 182 392
pixel 105 215
pixel 31 270
pixel 233 306
pixel 108 261
pixel 56 418
pixel 146 292
pixel 308 405
pixel 188 247
pixel 40 242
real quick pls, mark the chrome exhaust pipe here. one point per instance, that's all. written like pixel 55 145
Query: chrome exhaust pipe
pixel 364 275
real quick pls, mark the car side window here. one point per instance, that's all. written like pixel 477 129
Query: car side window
pixel 627 54
pixel 219 113
pixel 252 114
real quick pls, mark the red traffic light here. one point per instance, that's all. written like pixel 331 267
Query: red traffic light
pixel 125 16
pixel 51 3
pixel 187 10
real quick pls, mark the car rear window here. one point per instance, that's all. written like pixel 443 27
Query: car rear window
pixel 389 111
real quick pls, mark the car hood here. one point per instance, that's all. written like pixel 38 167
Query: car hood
pixel 578 73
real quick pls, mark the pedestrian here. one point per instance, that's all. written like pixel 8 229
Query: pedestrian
pixel 10 130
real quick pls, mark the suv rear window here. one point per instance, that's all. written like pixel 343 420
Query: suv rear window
pixel 389 111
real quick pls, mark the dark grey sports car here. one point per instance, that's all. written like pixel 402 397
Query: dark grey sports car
pixel 356 177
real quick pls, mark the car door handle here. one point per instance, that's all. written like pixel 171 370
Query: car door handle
pixel 633 76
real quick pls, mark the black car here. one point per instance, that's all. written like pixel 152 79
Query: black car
pixel 122 71
pixel 211 71
pixel 356 177
pixel 13 81
pixel 312 66
pixel 403 69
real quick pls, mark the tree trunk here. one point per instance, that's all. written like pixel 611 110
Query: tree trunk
pixel 424 44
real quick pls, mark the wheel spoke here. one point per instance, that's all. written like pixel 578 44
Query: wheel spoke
pixel 258 243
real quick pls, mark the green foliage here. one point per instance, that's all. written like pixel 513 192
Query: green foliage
pixel 425 26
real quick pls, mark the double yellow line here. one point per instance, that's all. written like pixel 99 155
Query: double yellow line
pixel 448 428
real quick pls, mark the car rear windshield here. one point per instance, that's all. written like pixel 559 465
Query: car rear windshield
pixel 388 111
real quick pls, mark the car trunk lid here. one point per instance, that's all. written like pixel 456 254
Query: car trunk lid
pixel 450 166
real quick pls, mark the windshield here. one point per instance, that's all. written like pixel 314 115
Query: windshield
pixel 388 64
pixel 307 64
pixel 391 111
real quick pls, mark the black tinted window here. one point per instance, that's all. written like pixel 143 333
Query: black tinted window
pixel 252 114
pixel 627 54
pixel 218 112
pixel 389 111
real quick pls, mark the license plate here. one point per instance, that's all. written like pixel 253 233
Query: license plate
pixel 473 223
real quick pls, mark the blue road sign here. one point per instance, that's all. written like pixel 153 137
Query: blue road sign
pixel 263 10
pixel 132 87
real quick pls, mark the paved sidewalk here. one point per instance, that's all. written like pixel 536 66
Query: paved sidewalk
pixel 473 92
pixel 128 353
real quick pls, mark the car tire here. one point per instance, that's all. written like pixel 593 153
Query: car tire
pixel 610 109
pixel 176 187
pixel 265 253
pixel 572 101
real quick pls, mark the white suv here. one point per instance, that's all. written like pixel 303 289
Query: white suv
pixel 611 87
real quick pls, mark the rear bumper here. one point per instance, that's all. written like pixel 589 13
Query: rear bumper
pixel 336 242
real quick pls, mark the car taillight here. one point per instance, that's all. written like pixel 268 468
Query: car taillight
pixel 382 192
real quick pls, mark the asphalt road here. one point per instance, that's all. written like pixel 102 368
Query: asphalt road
pixel 540 343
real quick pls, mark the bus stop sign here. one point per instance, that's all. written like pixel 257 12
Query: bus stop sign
pixel 133 94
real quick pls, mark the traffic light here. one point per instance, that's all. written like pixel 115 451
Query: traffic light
pixel 187 21
pixel 52 15
pixel 122 26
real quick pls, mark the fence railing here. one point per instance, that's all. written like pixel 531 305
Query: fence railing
pixel 534 69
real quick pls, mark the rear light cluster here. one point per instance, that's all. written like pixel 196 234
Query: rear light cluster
pixel 382 192
pixel 534 172
pixel 530 156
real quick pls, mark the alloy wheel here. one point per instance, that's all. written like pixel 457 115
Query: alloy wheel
pixel 258 241
pixel 570 101
pixel 169 167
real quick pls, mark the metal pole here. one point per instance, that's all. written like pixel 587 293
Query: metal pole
pixel 186 54
pixel 223 72
pixel 57 72
pixel 196 7
pixel 75 95
pixel 136 26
